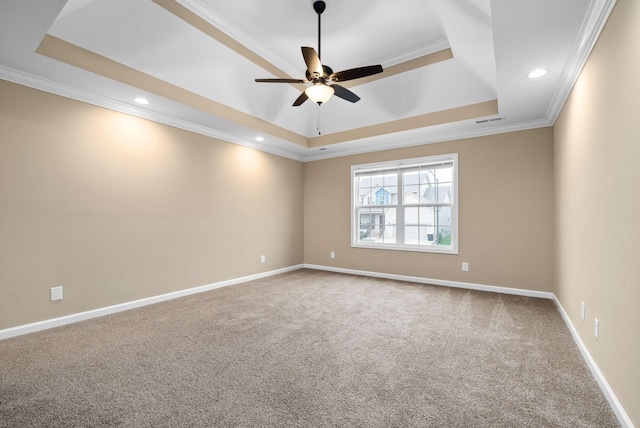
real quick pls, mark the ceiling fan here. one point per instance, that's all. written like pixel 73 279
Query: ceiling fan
pixel 322 78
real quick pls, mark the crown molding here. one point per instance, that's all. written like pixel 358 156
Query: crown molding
pixel 412 53
pixel 410 138
pixel 423 136
pixel 592 26
pixel 239 35
pixel 70 92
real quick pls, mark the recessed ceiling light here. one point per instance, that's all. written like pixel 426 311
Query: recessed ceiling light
pixel 259 138
pixel 142 101
pixel 537 73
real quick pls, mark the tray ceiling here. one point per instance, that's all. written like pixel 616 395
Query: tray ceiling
pixel 452 69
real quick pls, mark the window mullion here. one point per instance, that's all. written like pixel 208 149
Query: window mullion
pixel 400 211
pixel 374 212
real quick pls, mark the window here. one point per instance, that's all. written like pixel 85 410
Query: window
pixel 406 205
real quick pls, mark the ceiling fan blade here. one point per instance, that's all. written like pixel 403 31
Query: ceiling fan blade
pixel 345 94
pixel 312 60
pixel 281 81
pixel 302 98
pixel 355 73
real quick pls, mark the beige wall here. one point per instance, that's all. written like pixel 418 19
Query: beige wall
pixel 116 208
pixel 505 213
pixel 597 167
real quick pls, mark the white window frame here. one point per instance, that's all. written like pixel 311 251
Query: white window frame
pixel 399 165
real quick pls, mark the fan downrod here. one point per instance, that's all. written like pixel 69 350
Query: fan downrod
pixel 320 76
pixel 319 7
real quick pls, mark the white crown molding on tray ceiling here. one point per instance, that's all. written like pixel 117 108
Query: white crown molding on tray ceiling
pixel 592 26
pixel 259 48
pixel 63 90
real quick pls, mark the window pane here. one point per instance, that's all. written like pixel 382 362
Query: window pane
pixel 431 234
pixel 428 186
pixel 377 189
pixel 376 224
pixel 380 233
pixel 411 187
pixel 393 195
pixel 427 215
pixel 419 235
pixel 363 186
pixel 425 235
pixel 444 236
pixel 445 192
pixel 422 197
pixel 419 225
pixel 425 185
pixel 428 192
pixel 444 174
pixel 366 219
pixel 411 235
pixel 411 216
pixel 443 216
pixel 388 229
pixel 390 188
pixel 419 216
pixel 388 234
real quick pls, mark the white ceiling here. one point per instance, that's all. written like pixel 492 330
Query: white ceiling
pixel 198 60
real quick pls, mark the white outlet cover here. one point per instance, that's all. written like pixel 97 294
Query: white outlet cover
pixel 56 293
pixel 465 266
pixel 596 328
pixel 583 311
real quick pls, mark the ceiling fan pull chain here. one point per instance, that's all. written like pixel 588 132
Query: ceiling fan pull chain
pixel 318 121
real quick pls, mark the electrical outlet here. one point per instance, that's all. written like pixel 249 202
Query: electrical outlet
pixel 583 311
pixel 596 328
pixel 56 293
pixel 465 267
pixel 263 259
pixel 333 254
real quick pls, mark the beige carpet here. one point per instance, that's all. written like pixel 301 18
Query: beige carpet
pixel 307 349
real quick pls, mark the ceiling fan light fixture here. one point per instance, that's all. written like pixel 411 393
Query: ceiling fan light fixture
pixel 319 93
pixel 318 75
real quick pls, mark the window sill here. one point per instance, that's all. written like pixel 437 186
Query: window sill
pixel 437 249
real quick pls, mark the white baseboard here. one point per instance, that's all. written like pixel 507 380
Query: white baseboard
pixel 68 319
pixel 624 419
pixel 445 283
pixel 622 416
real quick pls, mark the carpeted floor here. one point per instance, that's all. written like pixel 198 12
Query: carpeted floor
pixel 307 349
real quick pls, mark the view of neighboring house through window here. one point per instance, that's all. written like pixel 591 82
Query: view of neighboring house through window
pixel 406 205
